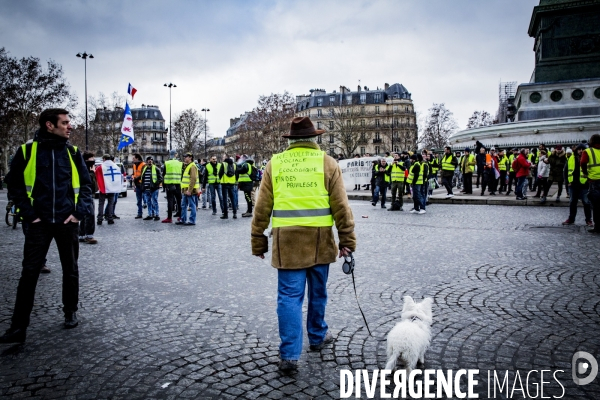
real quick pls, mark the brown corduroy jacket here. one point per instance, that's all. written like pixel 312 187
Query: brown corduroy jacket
pixel 298 247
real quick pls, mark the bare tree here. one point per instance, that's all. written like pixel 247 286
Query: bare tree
pixel 348 129
pixel 188 131
pixel 439 125
pixel 480 118
pixel 104 130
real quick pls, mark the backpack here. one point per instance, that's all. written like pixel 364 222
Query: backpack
pixel 230 171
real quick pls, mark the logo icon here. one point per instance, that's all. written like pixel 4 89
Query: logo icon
pixel 579 367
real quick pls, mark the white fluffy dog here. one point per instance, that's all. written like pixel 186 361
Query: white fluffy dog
pixel 410 338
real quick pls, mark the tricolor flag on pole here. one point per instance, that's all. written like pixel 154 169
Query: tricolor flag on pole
pixel 127 137
pixel 131 90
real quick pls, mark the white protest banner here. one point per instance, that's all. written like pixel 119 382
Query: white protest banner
pixel 356 171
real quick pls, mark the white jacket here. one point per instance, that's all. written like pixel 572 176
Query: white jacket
pixel 543 168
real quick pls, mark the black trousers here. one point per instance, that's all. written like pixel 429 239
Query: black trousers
pixel 110 198
pixel 468 182
pixel 502 181
pixel 227 189
pixel 447 183
pixel 247 187
pixel 173 198
pixel 38 237
pixel 594 196
pixel 87 226
pixel 512 178
pixel 479 174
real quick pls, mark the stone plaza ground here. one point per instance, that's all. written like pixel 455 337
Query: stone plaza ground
pixel 187 312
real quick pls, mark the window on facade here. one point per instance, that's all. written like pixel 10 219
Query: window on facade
pixel 396 122
pixel 377 123
pixel 377 97
pixel 363 98
pixel 144 124
pixel 376 149
pixel 153 125
pixel 348 123
pixel 155 114
pixel 376 109
pixel 319 124
pixel 319 102
pixel 319 140
pixel 396 108
pixel 330 138
pixel 331 151
pixel 406 109
pixel 362 151
pixel 348 99
pixel 110 116
pixel 331 100
pixel 377 137
pixel 330 124
pixel 145 114
pixel 362 111
pixel 396 149
pixel 348 111
pixel 319 113
pixel 162 125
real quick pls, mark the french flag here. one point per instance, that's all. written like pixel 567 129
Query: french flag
pixel 131 90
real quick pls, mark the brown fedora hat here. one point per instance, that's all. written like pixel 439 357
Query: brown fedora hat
pixel 302 127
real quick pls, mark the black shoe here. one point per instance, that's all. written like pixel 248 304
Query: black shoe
pixel 14 335
pixel 214 213
pixel 71 320
pixel 145 206
pixel 288 365
pixel 224 216
pixel 99 222
pixel 111 222
pixel 116 217
pixel 45 270
pixel 138 217
pixel 328 339
pixel 179 223
pixel 177 214
pixel 148 218
pixel 596 231
pixel 156 218
pixel 234 216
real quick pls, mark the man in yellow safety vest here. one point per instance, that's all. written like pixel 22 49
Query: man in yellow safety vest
pixel 304 191
pixel 590 167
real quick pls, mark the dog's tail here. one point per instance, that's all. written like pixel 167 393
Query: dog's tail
pixel 392 359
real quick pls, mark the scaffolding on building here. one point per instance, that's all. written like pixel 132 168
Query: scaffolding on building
pixel 506 102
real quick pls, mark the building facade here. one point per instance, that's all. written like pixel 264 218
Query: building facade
pixel 148 127
pixel 362 121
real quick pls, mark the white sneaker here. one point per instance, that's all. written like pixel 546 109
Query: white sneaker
pixel 422 212
pixel 413 211
pixel 450 195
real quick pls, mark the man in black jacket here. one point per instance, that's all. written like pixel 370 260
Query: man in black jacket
pixel 50 184
pixel 480 159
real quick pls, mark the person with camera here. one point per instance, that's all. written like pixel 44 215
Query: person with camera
pixel 304 201
pixel 382 181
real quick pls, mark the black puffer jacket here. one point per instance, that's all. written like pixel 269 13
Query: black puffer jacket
pixel 54 200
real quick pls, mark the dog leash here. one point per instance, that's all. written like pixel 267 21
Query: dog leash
pixel 348 268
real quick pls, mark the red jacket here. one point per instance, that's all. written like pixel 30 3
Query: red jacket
pixel 521 166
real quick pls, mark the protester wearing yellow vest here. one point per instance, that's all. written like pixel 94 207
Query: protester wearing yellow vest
pixel 247 176
pixel 397 170
pixel 503 166
pixel 590 166
pixel 382 181
pixel 578 187
pixel 172 184
pixel 512 174
pixel 416 178
pixel 467 165
pixel 449 164
pixel 212 178
pixel 190 187
pixel 151 180
pixel 304 190
pixel 51 186
pixel 229 187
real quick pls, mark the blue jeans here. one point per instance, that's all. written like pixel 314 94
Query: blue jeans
pixel 215 188
pixel 206 197
pixel 383 191
pixel 424 194
pixel 139 194
pixel 235 196
pixel 291 285
pixel 417 196
pixel 521 182
pixel 151 198
pixel 192 202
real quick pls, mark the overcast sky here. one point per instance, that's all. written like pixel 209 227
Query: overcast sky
pixel 224 54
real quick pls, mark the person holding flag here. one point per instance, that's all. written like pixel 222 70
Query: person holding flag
pixel 110 180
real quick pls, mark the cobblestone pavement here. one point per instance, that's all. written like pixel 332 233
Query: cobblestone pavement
pixel 186 312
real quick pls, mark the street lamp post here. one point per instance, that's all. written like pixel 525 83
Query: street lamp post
pixel 205 150
pixel 170 85
pixel 85 56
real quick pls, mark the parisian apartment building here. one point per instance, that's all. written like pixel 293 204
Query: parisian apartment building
pixel 383 118
pixel 148 126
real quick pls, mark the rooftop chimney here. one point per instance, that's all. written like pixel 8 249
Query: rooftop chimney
pixel 359 88
pixel 387 86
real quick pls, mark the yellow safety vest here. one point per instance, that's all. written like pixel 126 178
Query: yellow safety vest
pixel 228 179
pixel 300 196
pixel 213 176
pixel 502 163
pixel 246 177
pixel 185 178
pixel 411 177
pixel 173 172
pixel 571 169
pixel 435 165
pixel 510 161
pixel 593 166
pixel 447 163
pixel 30 171
pixel 397 173
pixel 154 179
